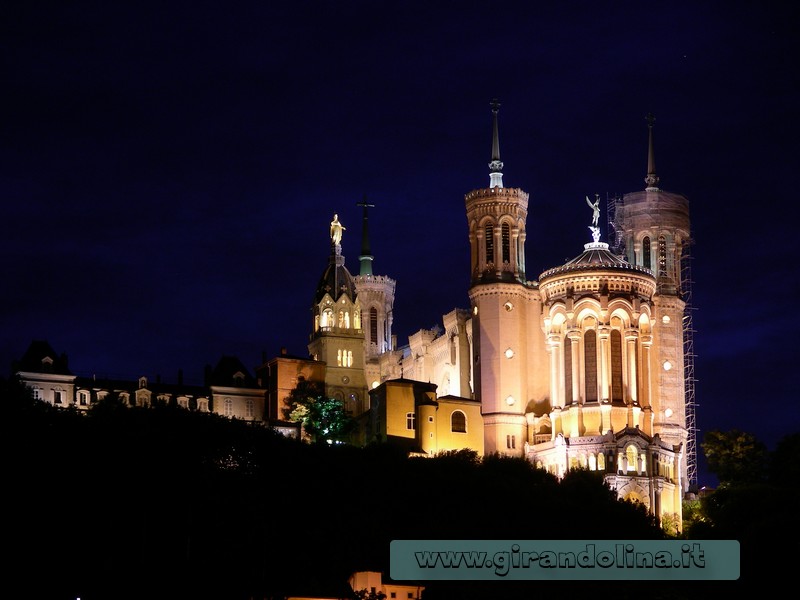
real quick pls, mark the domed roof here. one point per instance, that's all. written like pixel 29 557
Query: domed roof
pixel 335 281
pixel 596 255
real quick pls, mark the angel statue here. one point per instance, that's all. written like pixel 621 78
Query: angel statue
pixel 595 206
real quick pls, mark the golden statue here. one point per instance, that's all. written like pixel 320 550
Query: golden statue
pixel 336 230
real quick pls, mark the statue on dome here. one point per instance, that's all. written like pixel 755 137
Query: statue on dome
pixel 595 206
pixel 336 230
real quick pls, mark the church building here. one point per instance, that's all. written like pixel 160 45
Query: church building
pixel 586 365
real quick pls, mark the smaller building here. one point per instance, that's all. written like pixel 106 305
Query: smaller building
pixel 280 375
pixel 373 582
pixel 408 413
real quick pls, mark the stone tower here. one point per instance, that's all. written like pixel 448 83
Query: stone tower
pixel 505 308
pixel 337 337
pixel 376 297
pixel 653 230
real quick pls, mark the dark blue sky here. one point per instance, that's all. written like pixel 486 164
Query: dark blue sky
pixel 169 170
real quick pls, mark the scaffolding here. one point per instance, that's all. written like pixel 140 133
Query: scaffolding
pixel 688 367
pixel 616 239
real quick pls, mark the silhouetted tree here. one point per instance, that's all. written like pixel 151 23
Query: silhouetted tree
pixel 368 595
pixel 735 456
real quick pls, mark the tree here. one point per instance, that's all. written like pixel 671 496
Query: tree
pixel 368 595
pixel 735 456
pixel 324 419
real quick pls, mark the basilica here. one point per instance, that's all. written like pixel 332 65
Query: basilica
pixel 587 365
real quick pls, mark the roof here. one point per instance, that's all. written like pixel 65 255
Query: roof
pixel 41 358
pixel 596 255
pixel 227 367
pixel 335 281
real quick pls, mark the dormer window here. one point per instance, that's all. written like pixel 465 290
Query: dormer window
pixel 238 379
pixel 142 382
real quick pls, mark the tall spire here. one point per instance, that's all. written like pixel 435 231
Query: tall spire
pixel 652 179
pixel 365 258
pixel 496 166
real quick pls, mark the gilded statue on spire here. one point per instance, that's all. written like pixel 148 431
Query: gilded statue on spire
pixel 336 230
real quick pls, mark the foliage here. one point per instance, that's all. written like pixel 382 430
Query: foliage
pixel 325 420
pixel 669 523
pixel 693 514
pixel 735 456
pixel 464 456
pixel 368 595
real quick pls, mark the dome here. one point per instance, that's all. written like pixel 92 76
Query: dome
pixel 335 281
pixel 596 270
pixel 596 255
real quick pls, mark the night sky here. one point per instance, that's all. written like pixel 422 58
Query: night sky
pixel 169 170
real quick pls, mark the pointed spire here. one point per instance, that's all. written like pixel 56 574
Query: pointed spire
pixel 365 259
pixel 496 166
pixel 652 179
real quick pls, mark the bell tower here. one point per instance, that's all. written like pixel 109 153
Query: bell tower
pixel 337 337
pixel 376 297
pixel 653 231
pixel 505 309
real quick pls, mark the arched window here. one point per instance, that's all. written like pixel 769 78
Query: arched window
pixel 632 454
pixel 327 318
pixel 339 357
pixel 228 407
pixel 601 461
pixel 616 366
pixel 373 325
pixel 590 364
pixel 458 422
pixel 489 243
pixel 250 408
pixel 646 253
pixel 347 320
pixel 506 233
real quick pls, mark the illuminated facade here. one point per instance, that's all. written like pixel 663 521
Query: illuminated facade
pixel 585 367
